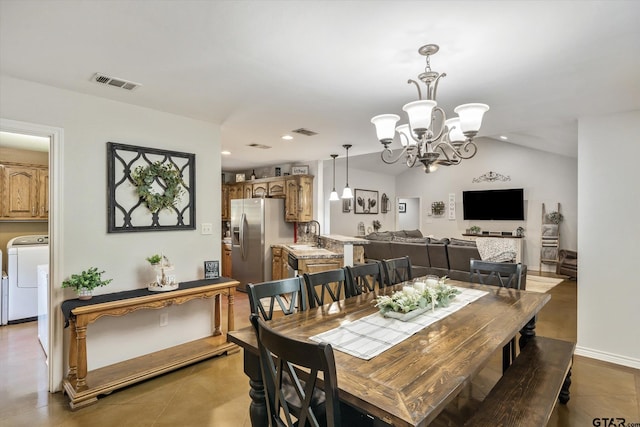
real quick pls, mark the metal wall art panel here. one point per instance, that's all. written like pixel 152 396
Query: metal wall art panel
pixel 150 189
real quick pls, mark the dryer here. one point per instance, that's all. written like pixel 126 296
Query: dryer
pixel 4 293
pixel 24 254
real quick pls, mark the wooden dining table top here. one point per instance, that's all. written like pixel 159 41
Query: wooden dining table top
pixel 413 381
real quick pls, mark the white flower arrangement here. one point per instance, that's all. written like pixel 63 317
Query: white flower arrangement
pixel 418 296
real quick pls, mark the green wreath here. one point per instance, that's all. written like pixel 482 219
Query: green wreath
pixel 168 176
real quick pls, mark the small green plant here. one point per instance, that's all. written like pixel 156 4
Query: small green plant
pixel 474 229
pixel 555 217
pixel 154 259
pixel 89 279
pixel 376 225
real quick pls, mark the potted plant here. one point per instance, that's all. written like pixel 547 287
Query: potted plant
pixel 154 259
pixel 555 217
pixel 474 229
pixel 85 282
pixel 376 225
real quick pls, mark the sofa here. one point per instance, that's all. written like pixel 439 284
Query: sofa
pixel 567 263
pixel 442 257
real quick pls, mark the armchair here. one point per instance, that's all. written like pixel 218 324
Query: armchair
pixel 567 263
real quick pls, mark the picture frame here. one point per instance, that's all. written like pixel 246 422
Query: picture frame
pixel 240 177
pixel 346 205
pixel 365 201
pixel 402 208
pixel 300 170
pixel 212 269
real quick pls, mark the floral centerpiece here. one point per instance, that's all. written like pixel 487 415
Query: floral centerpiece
pixel 414 300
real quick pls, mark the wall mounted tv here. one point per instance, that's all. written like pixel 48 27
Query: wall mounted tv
pixel 494 205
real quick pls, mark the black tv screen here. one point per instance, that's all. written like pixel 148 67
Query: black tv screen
pixel 494 204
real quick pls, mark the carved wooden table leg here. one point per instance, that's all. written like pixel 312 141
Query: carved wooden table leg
pixel 81 353
pixel 230 314
pixel 73 351
pixel 217 309
pixel 564 391
pixel 258 408
pixel 528 332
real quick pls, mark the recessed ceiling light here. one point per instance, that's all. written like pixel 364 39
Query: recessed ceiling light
pixel 504 137
pixel 225 153
pixel 287 137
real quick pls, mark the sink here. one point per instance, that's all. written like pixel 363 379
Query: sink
pixel 302 247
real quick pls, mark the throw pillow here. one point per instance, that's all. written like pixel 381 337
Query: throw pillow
pixel 443 241
pixel 413 233
pixel 462 242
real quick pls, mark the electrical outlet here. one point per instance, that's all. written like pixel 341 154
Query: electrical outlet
pixel 164 319
pixel 207 228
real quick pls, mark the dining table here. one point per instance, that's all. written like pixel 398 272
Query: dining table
pixel 411 382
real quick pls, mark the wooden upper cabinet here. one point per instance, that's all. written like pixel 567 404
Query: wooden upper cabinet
pixel 25 191
pixel 276 188
pixel 247 191
pixel 235 192
pixel 260 189
pixel 299 199
pixel 226 203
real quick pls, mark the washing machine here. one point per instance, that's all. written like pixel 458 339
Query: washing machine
pixel 24 254
pixel 4 293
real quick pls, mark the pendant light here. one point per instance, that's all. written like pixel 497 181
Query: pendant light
pixel 347 193
pixel 334 194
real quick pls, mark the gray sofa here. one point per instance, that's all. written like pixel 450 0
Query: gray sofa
pixel 442 257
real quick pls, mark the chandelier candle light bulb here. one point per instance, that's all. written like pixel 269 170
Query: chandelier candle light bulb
pixel 448 144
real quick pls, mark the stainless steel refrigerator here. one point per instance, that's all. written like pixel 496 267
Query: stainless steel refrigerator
pixel 256 224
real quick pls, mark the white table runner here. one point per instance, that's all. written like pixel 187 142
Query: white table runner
pixel 369 336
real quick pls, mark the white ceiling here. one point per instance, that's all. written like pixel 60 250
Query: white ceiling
pixel 263 68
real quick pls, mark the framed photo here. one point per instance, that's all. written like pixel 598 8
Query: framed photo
pixel 240 177
pixel 346 205
pixel 211 269
pixel 300 170
pixel 402 208
pixel 366 201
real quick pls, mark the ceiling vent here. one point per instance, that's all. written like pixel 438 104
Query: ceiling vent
pixel 261 146
pixel 114 81
pixel 306 132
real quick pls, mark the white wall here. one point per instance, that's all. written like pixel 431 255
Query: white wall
pixel 409 220
pixel 546 178
pixel 89 123
pixel 609 231
pixel 347 223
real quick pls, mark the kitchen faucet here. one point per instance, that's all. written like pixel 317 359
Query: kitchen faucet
pixel 318 229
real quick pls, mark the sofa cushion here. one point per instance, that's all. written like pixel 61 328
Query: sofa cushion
pixel 417 252
pixel 380 235
pixel 462 242
pixel 438 255
pixel 377 250
pixel 460 256
pixel 413 233
pixel 443 241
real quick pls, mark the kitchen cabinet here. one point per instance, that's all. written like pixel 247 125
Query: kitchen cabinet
pixel 276 264
pixel 226 204
pixel 260 189
pixel 226 260
pixel 276 188
pixel 299 198
pixel 247 191
pixel 316 265
pixel 25 191
pixel 236 192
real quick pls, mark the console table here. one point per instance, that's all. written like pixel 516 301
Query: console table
pixel 83 388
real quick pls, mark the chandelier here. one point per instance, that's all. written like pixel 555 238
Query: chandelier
pixel 432 142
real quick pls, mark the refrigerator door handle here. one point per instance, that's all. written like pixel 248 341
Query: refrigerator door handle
pixel 243 226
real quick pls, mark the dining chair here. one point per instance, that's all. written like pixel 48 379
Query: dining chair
pixel 503 274
pixel 397 270
pixel 278 355
pixel 364 277
pixel 289 294
pixel 326 286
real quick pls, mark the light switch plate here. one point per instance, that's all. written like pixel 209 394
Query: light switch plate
pixel 207 228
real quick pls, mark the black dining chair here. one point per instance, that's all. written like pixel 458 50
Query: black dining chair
pixel 289 294
pixel 365 277
pixel 326 286
pixel 397 270
pixel 505 275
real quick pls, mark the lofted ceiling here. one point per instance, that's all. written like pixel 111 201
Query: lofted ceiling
pixel 261 69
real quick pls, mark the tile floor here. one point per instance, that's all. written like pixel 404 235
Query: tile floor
pixel 215 392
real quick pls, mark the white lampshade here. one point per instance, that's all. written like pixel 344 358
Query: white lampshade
pixel 455 133
pixel 471 116
pixel 419 113
pixel 405 135
pixel 347 193
pixel 385 126
pixel 334 196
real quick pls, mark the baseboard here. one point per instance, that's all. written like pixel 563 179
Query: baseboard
pixel 608 357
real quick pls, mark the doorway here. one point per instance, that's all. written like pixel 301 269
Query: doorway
pixel 52 326
pixel 408 213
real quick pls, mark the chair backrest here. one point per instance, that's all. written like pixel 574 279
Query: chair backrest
pixel 288 293
pixel 397 270
pixel 326 286
pixel 365 278
pixel 278 355
pixel 505 274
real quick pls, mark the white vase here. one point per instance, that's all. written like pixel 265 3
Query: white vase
pixel 84 294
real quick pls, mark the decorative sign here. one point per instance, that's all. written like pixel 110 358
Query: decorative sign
pixel 452 206
pixel 150 189
pixel 491 177
pixel 211 269
pixel 300 170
